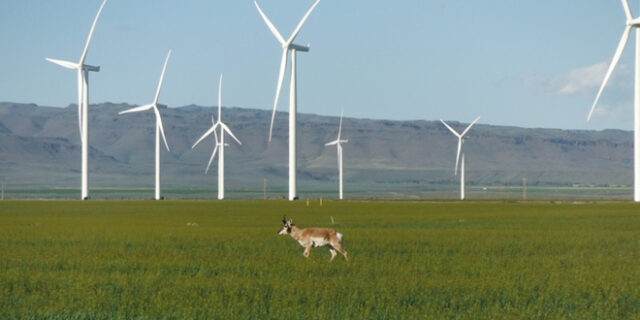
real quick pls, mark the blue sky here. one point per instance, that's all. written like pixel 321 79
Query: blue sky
pixel 520 63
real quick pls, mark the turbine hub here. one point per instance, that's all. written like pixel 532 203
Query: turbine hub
pixel 634 22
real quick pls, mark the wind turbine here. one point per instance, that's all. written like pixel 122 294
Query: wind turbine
pixel 219 144
pixel 460 142
pixel 83 103
pixel 338 143
pixel 159 127
pixel 631 23
pixel 288 45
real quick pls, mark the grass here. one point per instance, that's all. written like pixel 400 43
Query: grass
pixel 413 192
pixel 410 260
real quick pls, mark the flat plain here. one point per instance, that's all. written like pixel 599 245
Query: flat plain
pixel 409 260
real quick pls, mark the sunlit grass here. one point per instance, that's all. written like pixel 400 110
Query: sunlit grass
pixel 210 259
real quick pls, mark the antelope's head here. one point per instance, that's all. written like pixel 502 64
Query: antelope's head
pixel 286 227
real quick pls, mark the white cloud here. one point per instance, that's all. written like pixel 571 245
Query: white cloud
pixel 581 79
pixel 576 89
pixel 617 112
pixel 584 81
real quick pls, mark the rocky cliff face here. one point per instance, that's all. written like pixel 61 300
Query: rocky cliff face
pixel 39 146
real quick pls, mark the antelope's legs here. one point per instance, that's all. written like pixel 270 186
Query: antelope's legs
pixel 333 254
pixel 344 253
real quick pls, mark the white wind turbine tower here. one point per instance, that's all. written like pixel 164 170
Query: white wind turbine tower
pixel 631 23
pixel 83 103
pixel 460 142
pixel 338 143
pixel 288 45
pixel 219 144
pixel 159 127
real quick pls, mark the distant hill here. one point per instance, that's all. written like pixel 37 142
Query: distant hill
pixel 39 147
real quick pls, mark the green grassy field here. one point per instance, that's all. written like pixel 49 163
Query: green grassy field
pixel 410 260
pixel 362 192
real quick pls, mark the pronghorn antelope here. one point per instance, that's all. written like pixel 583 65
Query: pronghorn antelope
pixel 314 237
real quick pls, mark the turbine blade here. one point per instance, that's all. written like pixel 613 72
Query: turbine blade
pixel 137 109
pixel 450 129
pixel 469 127
pixel 283 66
pixel 273 29
pixel 211 159
pixel 206 134
pixel 220 99
pixel 458 155
pixel 225 128
pixel 86 46
pixel 164 68
pixel 66 64
pixel 159 124
pixel 614 62
pixel 332 143
pixel 627 9
pixel 299 27
pixel 215 135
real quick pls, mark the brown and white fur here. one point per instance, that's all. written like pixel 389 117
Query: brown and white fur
pixel 315 237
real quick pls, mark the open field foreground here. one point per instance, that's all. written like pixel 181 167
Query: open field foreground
pixel 409 260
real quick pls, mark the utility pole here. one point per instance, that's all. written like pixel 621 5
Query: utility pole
pixel 524 188
pixel 264 189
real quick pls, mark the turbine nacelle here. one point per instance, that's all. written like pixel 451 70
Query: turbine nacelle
pixel 631 23
pixel 74 65
pixel 154 106
pixel 91 68
pixel 287 45
pixel 338 143
pixel 460 139
pixel 215 124
pixel 299 48
pixel 83 101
